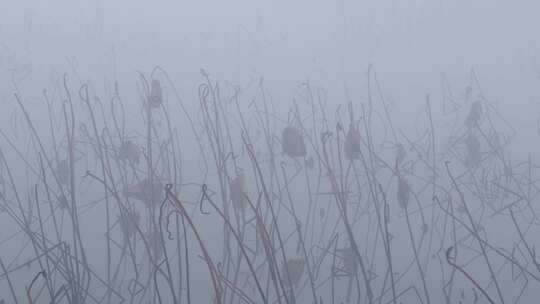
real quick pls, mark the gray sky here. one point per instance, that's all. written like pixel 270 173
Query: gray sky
pixel 409 42
pixel 329 43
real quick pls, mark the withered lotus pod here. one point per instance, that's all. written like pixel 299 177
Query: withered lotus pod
pixel 475 113
pixel 236 189
pixel 473 150
pixel 156 94
pixel 129 151
pixel 62 171
pixel 293 143
pixel 128 222
pixel 403 193
pixel 63 202
pixel 350 265
pixel 294 268
pixel 154 242
pixel 352 143
pixel 145 192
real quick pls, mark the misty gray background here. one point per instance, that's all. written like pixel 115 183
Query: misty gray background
pixel 409 42
pixel 411 45
pixel 330 43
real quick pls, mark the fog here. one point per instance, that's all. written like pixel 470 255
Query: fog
pixel 269 151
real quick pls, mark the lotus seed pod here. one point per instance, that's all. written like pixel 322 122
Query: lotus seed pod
pixel 237 191
pixel 129 151
pixel 475 113
pixel 144 191
pixel 62 171
pixel 129 222
pixel 156 94
pixel 292 142
pixel 352 143
pixel 472 145
pixel 403 193
pixel 294 268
